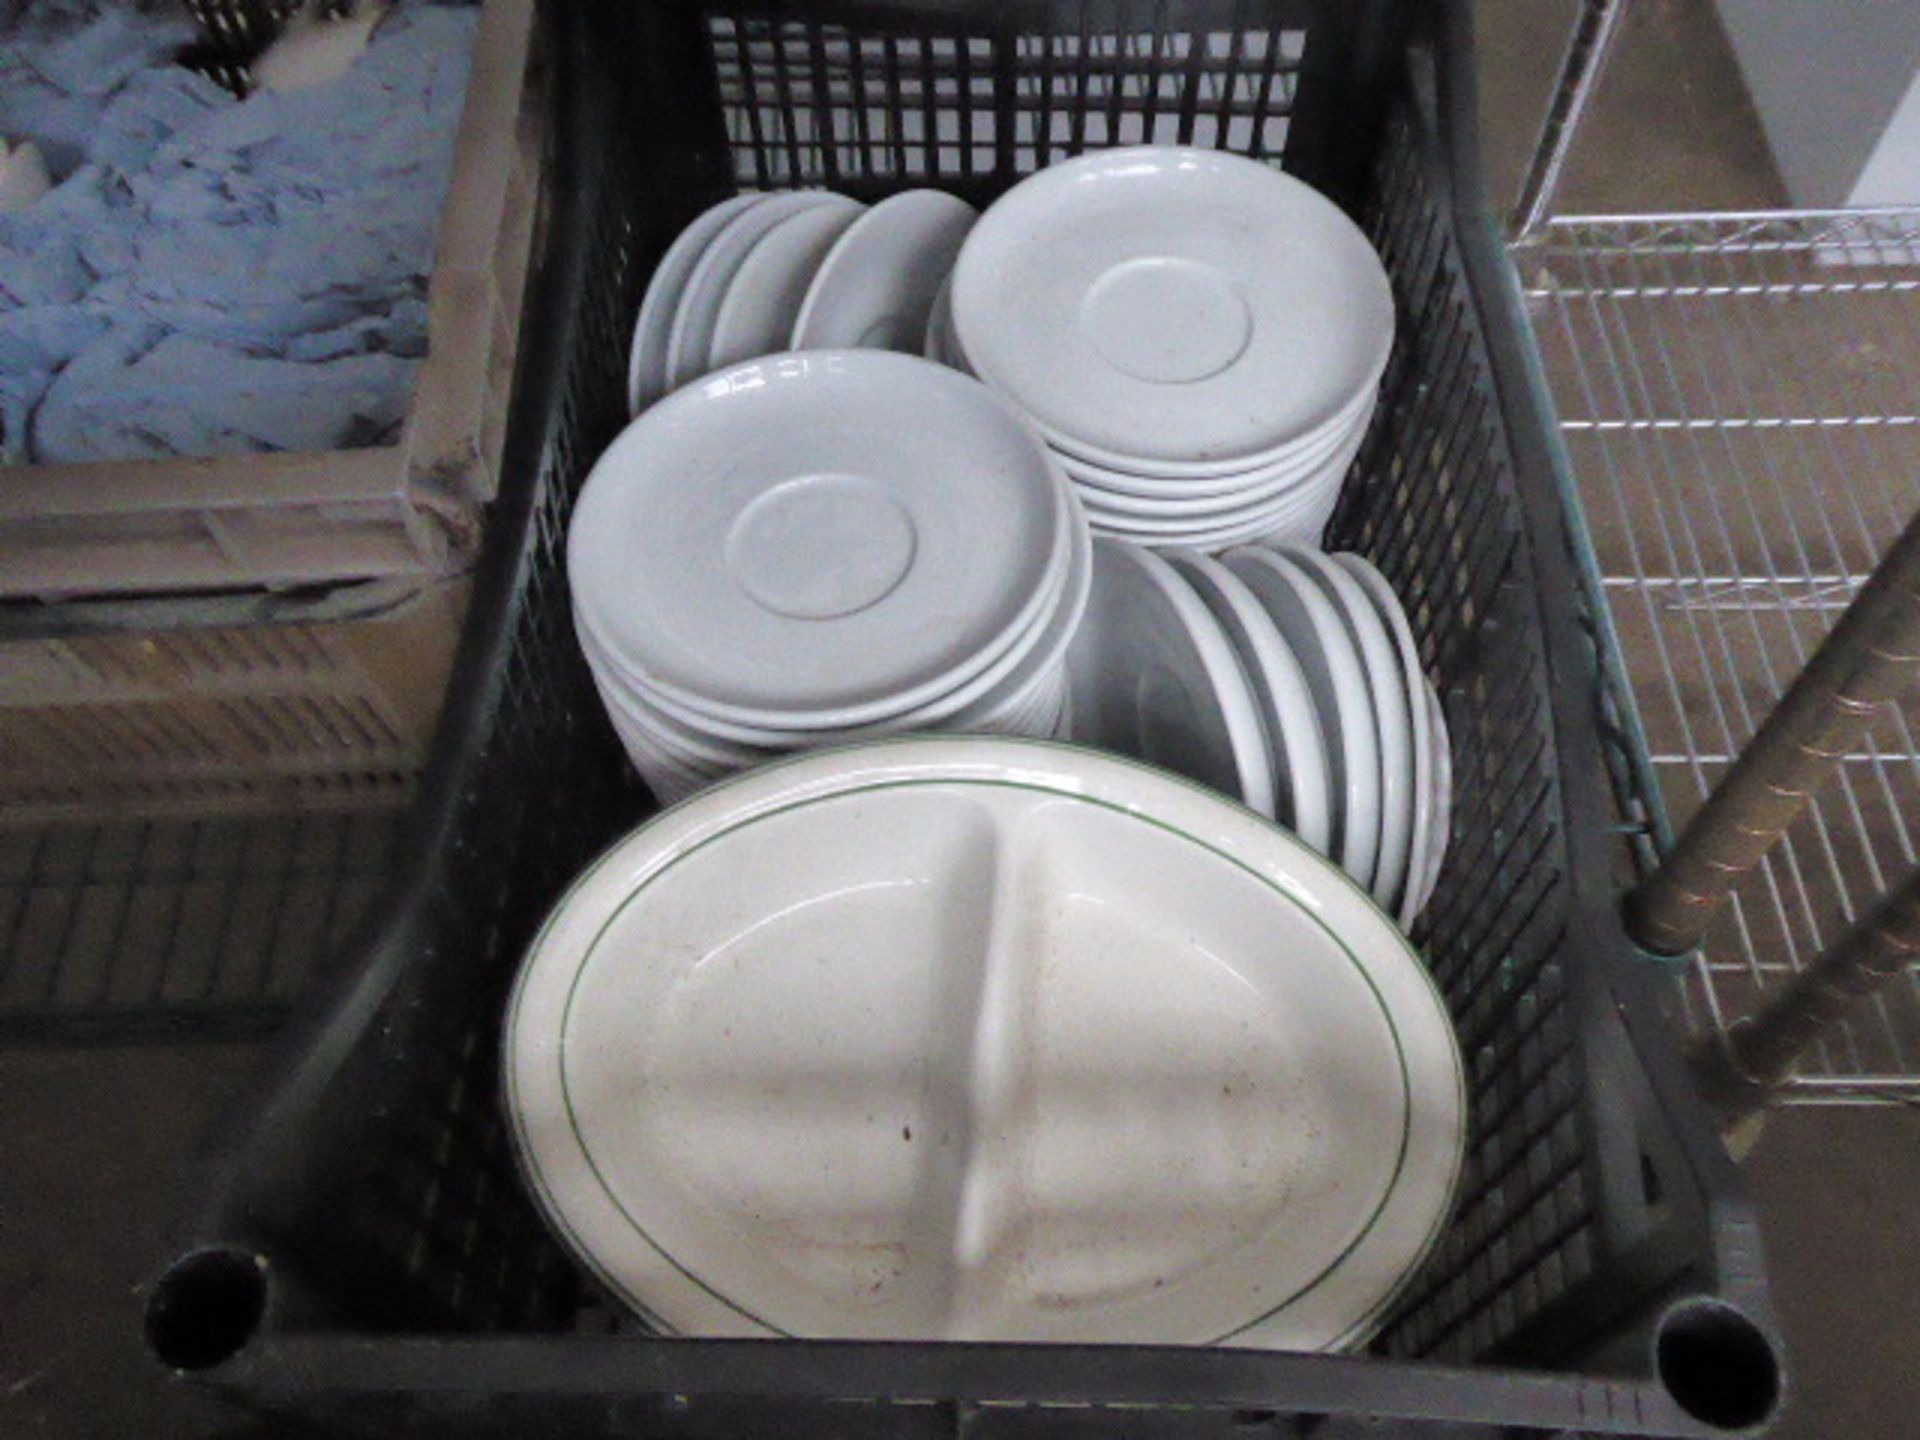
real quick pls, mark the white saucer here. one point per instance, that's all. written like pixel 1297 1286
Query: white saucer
pixel 1314 493
pixel 691 338
pixel 1042 669
pixel 1302 781
pixel 832 566
pixel 1413 684
pixel 647 359
pixel 1318 637
pixel 1301 521
pixel 876 289
pixel 1154 676
pixel 938 343
pixel 983 1040
pixel 1172 306
pixel 1442 831
pixel 671 780
pixel 1152 495
pixel 985 697
pixel 1392 716
pixel 1168 481
pixel 756 317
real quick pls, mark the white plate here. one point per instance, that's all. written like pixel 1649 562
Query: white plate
pixel 756 317
pixel 1032 655
pixel 1392 716
pixel 1173 306
pixel 647 360
pixel 1302 781
pixel 1023 693
pixel 1413 683
pixel 876 289
pixel 1318 493
pixel 1043 667
pixel 1442 831
pixel 1158 496
pixel 1153 676
pixel 938 343
pixel 1337 679
pixel 1177 480
pixel 773 546
pixel 1304 518
pixel 687 740
pixel 983 1040
pixel 671 780
pixel 691 339
pixel 1307 529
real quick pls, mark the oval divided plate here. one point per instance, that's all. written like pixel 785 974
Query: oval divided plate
pixel 981 1039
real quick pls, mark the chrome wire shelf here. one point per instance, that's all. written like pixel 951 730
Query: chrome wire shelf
pixel 1739 400
pixel 169 928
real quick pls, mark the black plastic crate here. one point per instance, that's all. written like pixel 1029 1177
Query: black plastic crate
pixel 360 1251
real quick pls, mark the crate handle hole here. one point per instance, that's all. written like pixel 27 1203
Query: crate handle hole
pixel 206 1308
pixel 1718 1365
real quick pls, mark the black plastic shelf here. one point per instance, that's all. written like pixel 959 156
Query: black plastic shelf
pixel 362 1253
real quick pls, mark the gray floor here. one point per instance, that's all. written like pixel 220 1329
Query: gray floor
pixel 90 1139
pixel 91 1142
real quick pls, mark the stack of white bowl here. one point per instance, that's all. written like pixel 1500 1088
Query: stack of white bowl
pixel 792 270
pixel 1286 678
pixel 819 546
pixel 1198 337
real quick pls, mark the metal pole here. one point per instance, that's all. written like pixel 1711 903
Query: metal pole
pixel 1867 660
pixel 1580 72
pixel 1736 1071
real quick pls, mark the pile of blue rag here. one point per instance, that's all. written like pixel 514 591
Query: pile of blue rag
pixel 212 275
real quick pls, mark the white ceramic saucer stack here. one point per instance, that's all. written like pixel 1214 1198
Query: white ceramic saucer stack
pixel 1285 678
pixel 824 545
pixel 976 1039
pixel 1199 337
pixel 796 269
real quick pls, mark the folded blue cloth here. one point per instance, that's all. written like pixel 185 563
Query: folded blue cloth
pixel 162 403
pixel 62 61
pixel 220 275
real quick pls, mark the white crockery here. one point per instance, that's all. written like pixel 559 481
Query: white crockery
pixel 1163 479
pixel 647 359
pixel 833 566
pixel 756 315
pixel 1303 783
pixel 1151 495
pixel 982 701
pixel 1414 683
pixel 1336 678
pixel 1172 306
pixel 1174 480
pixel 938 344
pixel 1300 521
pixel 1442 830
pixel 1154 676
pixel 983 1040
pixel 1318 493
pixel 690 341
pixel 877 287
pixel 1393 722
